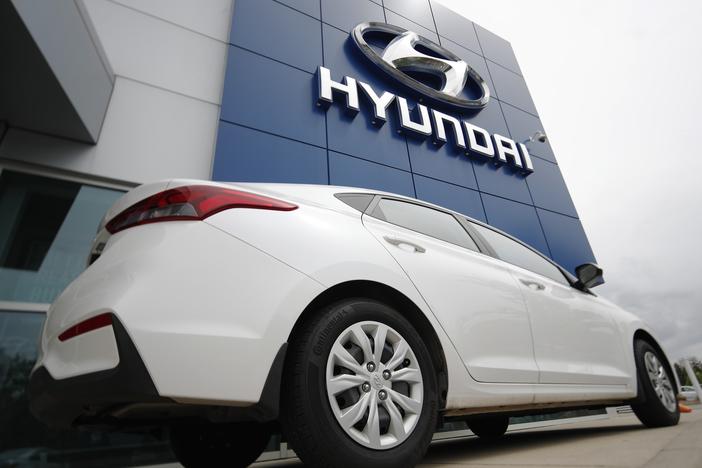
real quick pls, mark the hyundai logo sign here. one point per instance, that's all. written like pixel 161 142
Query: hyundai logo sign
pixel 401 56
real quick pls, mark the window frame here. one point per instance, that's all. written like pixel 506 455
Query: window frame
pixel 569 278
pixel 378 198
pixel 59 174
pixel 465 221
pixel 26 307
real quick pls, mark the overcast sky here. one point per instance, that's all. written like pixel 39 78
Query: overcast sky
pixel 618 86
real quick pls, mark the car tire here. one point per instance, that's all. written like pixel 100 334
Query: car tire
pixel 657 387
pixel 329 425
pixel 209 445
pixel 489 427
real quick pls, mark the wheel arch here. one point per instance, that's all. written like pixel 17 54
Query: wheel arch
pixel 641 334
pixel 391 297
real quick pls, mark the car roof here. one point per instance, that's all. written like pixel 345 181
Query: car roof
pixel 310 192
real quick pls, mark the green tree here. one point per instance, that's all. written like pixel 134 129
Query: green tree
pixel 696 365
pixel 18 428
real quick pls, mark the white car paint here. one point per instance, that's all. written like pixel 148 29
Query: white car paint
pixel 192 298
pixel 91 352
pixel 689 393
pixel 490 329
pixel 209 303
pixel 575 339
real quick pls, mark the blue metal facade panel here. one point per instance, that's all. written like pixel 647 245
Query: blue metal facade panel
pixel 511 88
pixel 441 163
pixel 521 126
pixel 497 49
pixel 271 96
pixel 548 189
pixel 399 20
pixel 451 196
pixel 417 11
pixel 271 129
pixel 518 219
pixel 308 7
pixel 355 172
pixel 455 27
pixel 255 156
pixel 345 14
pixel 293 37
pixel 566 239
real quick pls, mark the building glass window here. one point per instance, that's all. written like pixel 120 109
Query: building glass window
pixel 32 209
pixel 46 229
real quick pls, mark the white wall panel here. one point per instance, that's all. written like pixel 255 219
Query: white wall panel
pixel 60 34
pixel 148 134
pixel 211 17
pixel 157 52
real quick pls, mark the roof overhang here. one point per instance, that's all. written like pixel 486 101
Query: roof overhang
pixel 54 76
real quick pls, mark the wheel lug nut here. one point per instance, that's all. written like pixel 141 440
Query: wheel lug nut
pixel 366 387
pixel 386 374
pixel 370 366
pixel 382 394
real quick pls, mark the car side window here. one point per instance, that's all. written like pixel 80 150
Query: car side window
pixel 515 253
pixel 425 220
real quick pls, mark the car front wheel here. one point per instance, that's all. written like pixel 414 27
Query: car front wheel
pixel 359 389
pixel 660 407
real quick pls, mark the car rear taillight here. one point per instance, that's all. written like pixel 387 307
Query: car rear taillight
pixel 99 321
pixel 191 202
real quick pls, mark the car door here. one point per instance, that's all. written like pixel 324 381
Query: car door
pixel 576 340
pixel 474 296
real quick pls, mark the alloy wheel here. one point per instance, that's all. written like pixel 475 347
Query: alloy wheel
pixel 660 381
pixel 374 385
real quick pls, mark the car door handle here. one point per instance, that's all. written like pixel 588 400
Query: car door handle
pixel 398 242
pixel 532 284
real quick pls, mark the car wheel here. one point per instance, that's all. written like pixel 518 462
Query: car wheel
pixel 208 445
pixel 489 427
pixel 660 407
pixel 359 389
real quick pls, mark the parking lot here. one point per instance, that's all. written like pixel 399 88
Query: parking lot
pixel 620 441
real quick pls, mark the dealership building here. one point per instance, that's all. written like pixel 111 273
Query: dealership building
pixel 98 96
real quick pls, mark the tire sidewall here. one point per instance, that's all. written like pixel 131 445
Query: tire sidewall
pixel 330 326
pixel 654 412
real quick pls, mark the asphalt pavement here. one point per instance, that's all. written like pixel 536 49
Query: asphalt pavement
pixel 619 441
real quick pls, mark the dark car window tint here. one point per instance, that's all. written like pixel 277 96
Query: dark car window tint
pixel 515 253
pixel 428 221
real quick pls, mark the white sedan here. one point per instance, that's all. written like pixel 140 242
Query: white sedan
pixel 689 393
pixel 355 320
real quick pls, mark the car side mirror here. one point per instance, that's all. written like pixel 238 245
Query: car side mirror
pixel 589 275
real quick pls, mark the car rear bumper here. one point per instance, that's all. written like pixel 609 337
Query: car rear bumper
pixel 125 396
pixel 87 397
